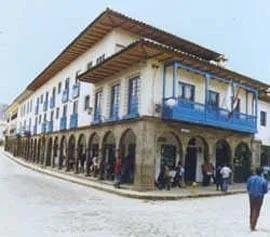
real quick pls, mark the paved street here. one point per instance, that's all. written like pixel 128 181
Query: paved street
pixel 33 204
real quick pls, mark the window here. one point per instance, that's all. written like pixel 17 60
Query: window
pixel 57 113
pixel 51 116
pixel 114 99
pixel 59 87
pixel 213 99
pixel 75 107
pixel 67 84
pixel 45 118
pixel 31 105
pixel 263 118
pixel 41 99
pixel 89 65
pixel 77 76
pixel 186 91
pixel 53 93
pixel 39 119
pixel 132 94
pixel 100 59
pixel 65 111
pixel 97 103
pixel 86 102
pixel 47 97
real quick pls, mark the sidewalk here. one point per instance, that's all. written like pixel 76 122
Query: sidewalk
pixel 126 190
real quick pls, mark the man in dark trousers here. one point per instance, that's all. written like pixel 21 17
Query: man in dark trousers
pixel 256 187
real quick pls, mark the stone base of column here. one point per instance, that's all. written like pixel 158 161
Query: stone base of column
pixel 144 178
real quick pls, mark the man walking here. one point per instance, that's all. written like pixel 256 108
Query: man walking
pixel 225 174
pixel 256 187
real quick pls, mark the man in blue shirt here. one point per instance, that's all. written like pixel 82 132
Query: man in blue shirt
pixel 256 187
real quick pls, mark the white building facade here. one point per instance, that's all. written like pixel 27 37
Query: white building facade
pixel 124 88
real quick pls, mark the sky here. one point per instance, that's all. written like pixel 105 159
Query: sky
pixel 34 32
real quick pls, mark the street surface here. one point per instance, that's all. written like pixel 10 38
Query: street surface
pixel 33 204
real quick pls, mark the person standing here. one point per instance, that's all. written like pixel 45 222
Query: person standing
pixel 257 187
pixel 218 177
pixel 118 172
pixel 225 174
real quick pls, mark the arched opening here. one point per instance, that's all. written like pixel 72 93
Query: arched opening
pixel 71 154
pixel 55 156
pixel 39 151
pixel 43 147
pixel 196 155
pixel 35 151
pixel 49 153
pixel 93 149
pixel 108 157
pixel 127 150
pixel 223 153
pixel 169 152
pixel 81 157
pixel 242 163
pixel 63 153
pixel 31 150
pixel 265 156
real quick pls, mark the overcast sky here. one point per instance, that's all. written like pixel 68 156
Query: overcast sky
pixel 33 32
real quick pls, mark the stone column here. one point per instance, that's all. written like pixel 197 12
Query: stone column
pixel 256 153
pixel 145 156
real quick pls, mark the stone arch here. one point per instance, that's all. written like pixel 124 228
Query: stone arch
pixel 242 162
pixel 35 151
pixel 63 153
pixel 168 151
pixel 43 148
pixel 71 153
pixel 31 155
pixel 127 150
pixel 39 151
pixel 55 155
pixel 223 153
pixel 196 155
pixel 81 156
pixel 49 152
pixel 93 150
pixel 108 156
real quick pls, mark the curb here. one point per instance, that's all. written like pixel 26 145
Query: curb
pixel 108 188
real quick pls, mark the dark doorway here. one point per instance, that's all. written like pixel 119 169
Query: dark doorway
pixel 168 155
pixel 223 153
pixel 242 163
pixel 191 164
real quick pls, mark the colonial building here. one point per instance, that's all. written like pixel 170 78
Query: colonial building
pixel 125 88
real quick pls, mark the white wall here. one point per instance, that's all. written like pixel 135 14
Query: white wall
pixel 107 46
pixel 263 131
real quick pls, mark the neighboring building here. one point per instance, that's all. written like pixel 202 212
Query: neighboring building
pixel 125 88
pixel 2 122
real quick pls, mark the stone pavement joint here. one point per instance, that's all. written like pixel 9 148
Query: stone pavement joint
pixel 173 194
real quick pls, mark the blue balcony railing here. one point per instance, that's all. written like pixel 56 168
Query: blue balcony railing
pixel 193 112
pixel 50 126
pixel 65 96
pixel 43 127
pixel 52 102
pixel 132 108
pixel 76 90
pixel 45 105
pixel 73 123
pixel 63 123
pixel 114 116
